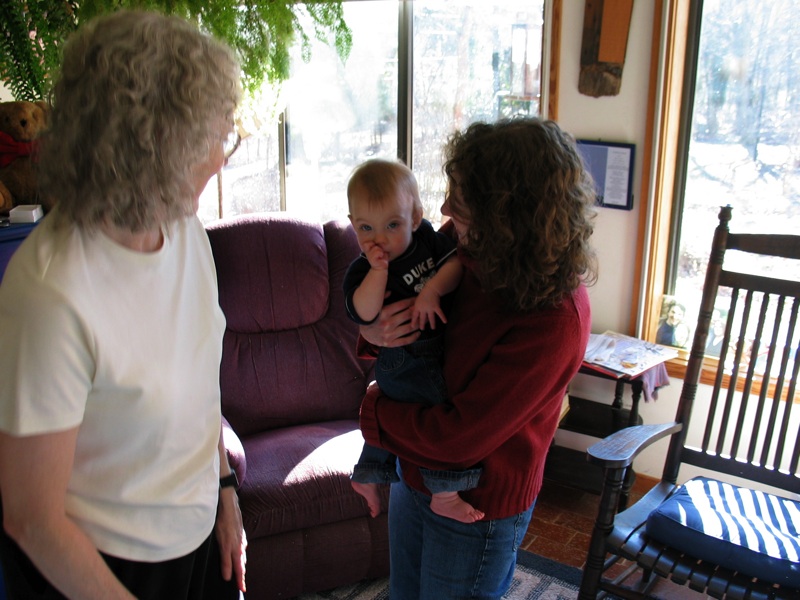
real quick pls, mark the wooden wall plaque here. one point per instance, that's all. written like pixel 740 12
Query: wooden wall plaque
pixel 606 24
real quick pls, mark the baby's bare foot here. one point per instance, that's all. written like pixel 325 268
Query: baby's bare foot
pixel 370 493
pixel 451 505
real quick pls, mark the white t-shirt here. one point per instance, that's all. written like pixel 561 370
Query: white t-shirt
pixel 127 346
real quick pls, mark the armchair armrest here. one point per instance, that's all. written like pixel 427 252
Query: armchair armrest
pixel 618 450
pixel 615 455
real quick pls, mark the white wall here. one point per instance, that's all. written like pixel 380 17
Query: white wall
pixel 618 118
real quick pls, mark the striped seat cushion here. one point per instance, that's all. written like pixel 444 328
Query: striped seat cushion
pixel 745 530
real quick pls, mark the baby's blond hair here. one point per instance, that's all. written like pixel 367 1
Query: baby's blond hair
pixel 382 180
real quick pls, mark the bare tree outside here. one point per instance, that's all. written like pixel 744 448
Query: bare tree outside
pixel 745 140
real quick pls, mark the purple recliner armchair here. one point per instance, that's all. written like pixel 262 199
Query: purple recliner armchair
pixel 291 387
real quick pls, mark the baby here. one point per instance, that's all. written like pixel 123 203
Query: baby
pixel 402 257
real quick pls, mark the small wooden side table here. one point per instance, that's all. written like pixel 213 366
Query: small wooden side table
pixel 597 419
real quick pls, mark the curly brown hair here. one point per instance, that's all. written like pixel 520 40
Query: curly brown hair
pixel 529 202
pixel 138 102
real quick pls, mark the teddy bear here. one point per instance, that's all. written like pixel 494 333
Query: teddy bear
pixel 21 122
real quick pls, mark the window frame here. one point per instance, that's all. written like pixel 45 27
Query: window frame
pixel 664 144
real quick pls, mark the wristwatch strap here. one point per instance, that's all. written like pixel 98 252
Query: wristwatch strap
pixel 229 481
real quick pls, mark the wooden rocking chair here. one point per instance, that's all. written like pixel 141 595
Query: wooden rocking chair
pixel 726 541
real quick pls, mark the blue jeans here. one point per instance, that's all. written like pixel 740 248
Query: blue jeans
pixel 436 558
pixel 412 373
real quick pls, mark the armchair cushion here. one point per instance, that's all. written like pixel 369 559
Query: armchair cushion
pixel 288 351
pixel 299 478
pixel 744 530
pixel 273 263
pixel 291 384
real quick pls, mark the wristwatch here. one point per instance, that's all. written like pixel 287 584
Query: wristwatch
pixel 229 481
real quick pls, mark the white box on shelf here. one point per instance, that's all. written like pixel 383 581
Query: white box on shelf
pixel 26 213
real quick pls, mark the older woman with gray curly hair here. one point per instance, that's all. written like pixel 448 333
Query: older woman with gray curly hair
pixel 113 472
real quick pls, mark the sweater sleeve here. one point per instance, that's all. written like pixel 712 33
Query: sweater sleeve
pixel 517 384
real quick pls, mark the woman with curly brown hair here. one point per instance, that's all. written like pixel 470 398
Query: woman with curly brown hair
pixel 520 204
pixel 114 476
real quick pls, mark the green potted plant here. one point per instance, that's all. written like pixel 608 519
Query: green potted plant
pixel 261 31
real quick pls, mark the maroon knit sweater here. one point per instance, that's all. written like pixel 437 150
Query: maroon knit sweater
pixel 506 376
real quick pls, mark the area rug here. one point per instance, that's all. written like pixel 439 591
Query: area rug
pixel 536 578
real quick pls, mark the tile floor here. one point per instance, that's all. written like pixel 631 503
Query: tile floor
pixel 562 523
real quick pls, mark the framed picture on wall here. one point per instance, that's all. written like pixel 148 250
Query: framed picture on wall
pixel 611 166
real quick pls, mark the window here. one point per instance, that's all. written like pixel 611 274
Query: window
pixel 473 61
pixel 737 140
pixel 744 142
pixel 417 71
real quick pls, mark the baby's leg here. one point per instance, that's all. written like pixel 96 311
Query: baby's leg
pixel 370 493
pixel 451 505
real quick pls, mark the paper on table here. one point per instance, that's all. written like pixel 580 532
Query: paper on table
pixel 620 355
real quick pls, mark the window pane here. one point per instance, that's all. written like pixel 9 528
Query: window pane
pixel 248 183
pixel 473 61
pixel 341 114
pixel 337 115
pixel 744 140
pixel 250 180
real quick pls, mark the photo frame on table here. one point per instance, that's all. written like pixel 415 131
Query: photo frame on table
pixel 611 166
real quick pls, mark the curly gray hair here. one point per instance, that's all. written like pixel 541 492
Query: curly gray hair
pixel 139 101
